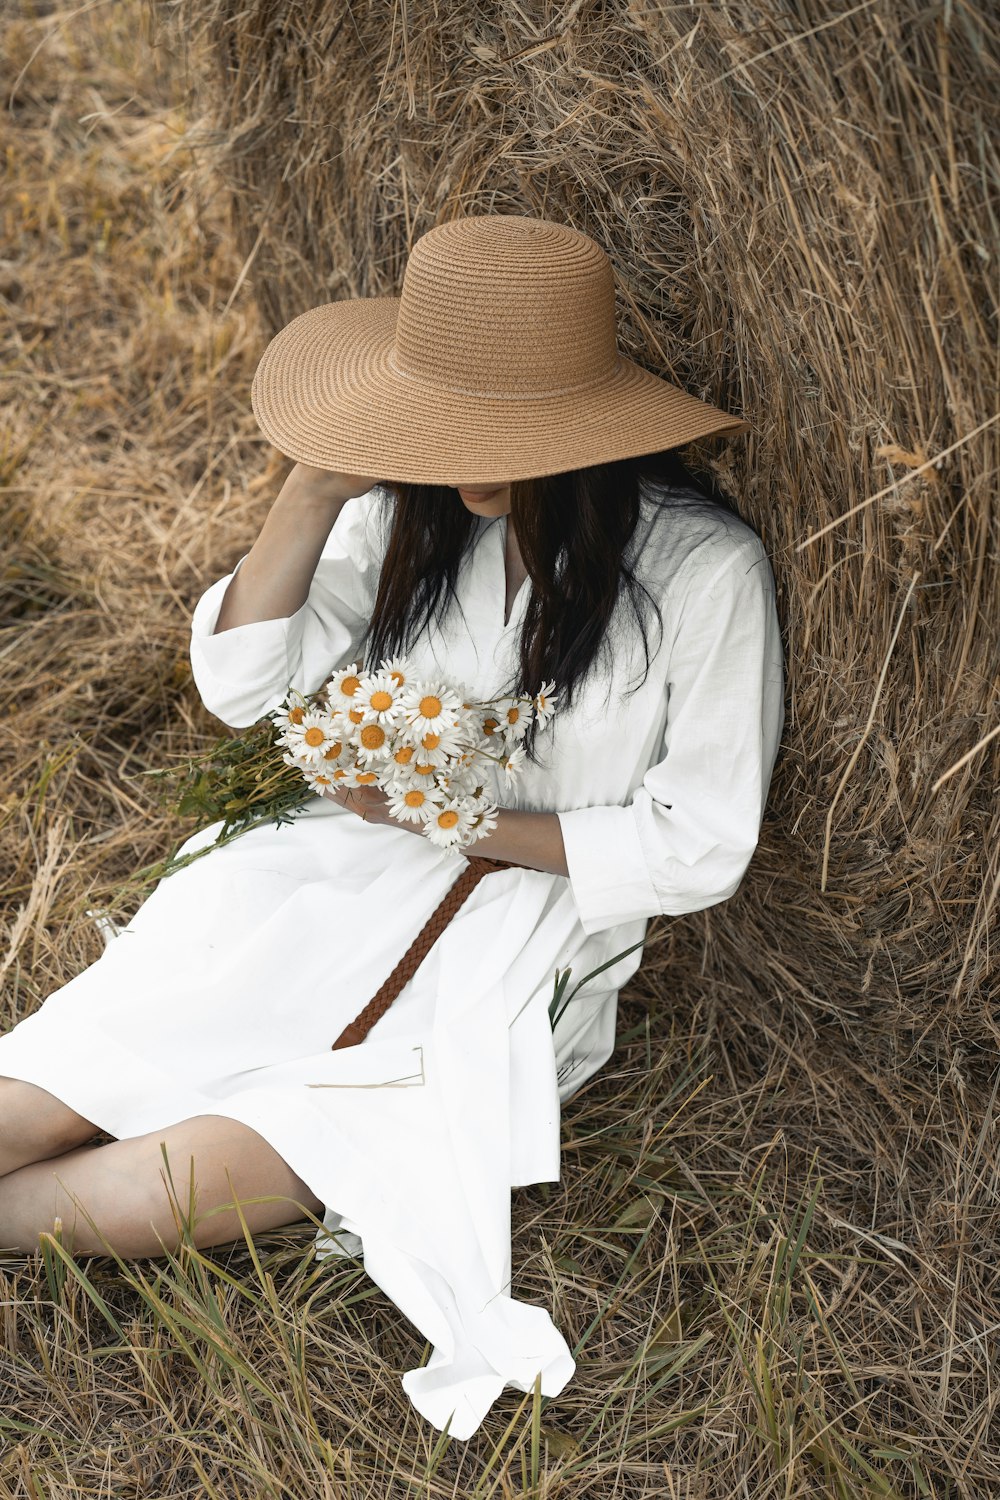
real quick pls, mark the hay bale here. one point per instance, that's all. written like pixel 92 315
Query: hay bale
pixel 800 225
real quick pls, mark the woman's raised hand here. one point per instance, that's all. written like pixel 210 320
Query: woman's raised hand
pixel 327 484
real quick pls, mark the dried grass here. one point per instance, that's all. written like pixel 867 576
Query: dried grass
pixel 774 1245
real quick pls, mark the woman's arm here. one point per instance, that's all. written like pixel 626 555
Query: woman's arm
pixel 274 577
pixel 316 548
pixel 685 838
pixel 533 839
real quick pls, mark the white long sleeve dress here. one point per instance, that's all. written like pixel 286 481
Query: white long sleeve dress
pixel 224 993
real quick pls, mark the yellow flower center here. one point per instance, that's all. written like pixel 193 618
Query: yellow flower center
pixel 381 700
pixel 296 715
pixel 431 741
pixel 447 819
pixel 355 715
pixel 489 725
pixel 350 685
pixel 339 775
pixel 333 751
pixel 430 706
pixel 416 798
pixel 367 776
pixel 314 735
pixel 421 769
pixel 513 714
pixel 322 780
pixel 372 736
pixel 404 755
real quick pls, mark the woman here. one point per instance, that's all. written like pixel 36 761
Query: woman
pixel 537 526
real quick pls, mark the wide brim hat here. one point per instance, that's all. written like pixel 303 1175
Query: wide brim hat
pixel 498 361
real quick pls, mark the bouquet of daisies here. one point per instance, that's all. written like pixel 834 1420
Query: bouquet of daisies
pixel 439 757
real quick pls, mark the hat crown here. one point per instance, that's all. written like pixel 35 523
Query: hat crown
pixel 506 305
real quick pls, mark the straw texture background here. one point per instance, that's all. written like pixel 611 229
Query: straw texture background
pixel 801 233
pixel 774 1246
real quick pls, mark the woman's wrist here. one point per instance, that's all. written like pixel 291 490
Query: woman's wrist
pixel 532 839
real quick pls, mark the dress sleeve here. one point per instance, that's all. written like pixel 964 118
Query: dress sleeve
pixel 244 672
pixel 686 838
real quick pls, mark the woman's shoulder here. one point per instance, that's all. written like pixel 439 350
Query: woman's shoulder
pixel 685 542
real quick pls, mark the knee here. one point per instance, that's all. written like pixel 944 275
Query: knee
pixel 36 1125
pixel 96 1212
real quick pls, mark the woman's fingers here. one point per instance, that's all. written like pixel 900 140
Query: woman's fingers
pixel 369 802
pixel 367 796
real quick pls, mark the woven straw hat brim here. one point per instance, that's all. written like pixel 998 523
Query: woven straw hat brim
pixel 326 393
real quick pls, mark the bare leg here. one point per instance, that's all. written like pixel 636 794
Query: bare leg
pixel 35 1125
pixel 123 1185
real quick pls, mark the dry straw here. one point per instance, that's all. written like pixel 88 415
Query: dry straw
pixel 799 235
pixel 770 1248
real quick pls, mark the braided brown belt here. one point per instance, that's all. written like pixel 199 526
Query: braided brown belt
pixel 355 1031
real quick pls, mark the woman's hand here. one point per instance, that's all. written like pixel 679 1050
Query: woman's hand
pixel 532 839
pixel 307 482
pixel 369 802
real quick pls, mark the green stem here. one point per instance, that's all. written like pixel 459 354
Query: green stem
pixel 593 973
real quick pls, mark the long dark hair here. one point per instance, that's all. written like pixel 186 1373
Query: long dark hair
pixel 573 531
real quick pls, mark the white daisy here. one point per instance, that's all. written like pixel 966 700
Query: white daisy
pixel 490 723
pixel 512 764
pixel 431 706
pixel 399 786
pixel 291 710
pixel 544 702
pixel 321 780
pixel 373 743
pixel 438 749
pixel 484 821
pixel 450 824
pixel 378 699
pixel 438 746
pixel 341 687
pixel 412 804
pixel 336 754
pixel 311 737
pixel 509 742
pixel 516 717
pixel 358 775
pixel 399 669
pixel 471 754
pixel 349 721
pixel 401 756
pixel 418 772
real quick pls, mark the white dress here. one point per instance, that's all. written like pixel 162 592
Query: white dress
pixel 225 991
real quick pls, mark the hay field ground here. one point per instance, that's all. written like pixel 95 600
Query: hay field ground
pixel 774 1260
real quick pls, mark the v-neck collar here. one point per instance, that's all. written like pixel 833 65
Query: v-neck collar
pixel 500 567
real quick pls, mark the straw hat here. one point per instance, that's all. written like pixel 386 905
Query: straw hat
pixel 499 361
